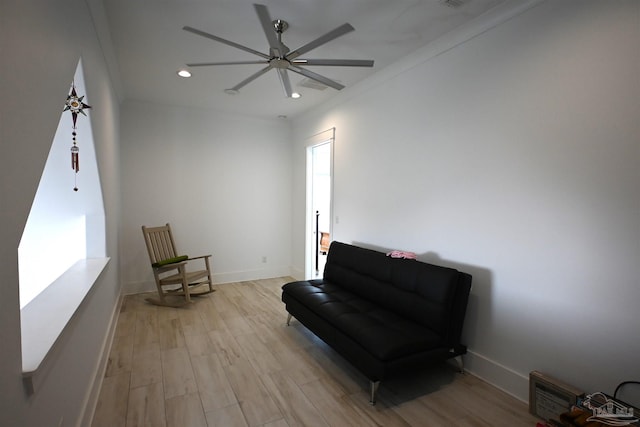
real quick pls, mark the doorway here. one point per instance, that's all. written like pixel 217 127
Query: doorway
pixel 319 202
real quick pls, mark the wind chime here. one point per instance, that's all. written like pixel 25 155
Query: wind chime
pixel 75 105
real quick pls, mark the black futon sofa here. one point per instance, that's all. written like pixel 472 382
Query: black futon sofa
pixel 384 315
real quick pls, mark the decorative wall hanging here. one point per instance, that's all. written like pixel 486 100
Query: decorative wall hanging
pixel 75 105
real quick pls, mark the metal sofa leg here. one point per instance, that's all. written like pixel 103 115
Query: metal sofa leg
pixel 460 363
pixel 288 318
pixel 374 389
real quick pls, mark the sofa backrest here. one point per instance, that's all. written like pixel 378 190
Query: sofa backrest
pixel 431 295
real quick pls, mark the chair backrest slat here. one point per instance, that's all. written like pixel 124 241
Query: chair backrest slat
pixel 159 241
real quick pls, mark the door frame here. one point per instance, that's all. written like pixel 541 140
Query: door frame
pixel 322 138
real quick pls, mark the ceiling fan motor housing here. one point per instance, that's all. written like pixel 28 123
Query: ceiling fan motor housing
pixel 281 63
pixel 280 26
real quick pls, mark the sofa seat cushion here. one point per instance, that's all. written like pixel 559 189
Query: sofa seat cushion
pixel 384 334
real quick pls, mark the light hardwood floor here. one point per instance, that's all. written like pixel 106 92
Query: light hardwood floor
pixel 229 359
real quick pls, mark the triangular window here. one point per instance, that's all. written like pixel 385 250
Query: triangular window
pixel 64 226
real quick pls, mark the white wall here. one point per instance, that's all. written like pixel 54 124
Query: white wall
pixel 222 181
pixel 514 156
pixel 41 43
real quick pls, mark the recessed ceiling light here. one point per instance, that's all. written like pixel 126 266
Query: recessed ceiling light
pixel 295 95
pixel 184 73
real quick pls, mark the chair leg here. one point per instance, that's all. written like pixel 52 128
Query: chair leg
pixel 160 293
pixel 162 299
pixel 460 363
pixel 185 283
pixel 206 261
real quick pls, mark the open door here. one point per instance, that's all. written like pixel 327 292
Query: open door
pixel 319 202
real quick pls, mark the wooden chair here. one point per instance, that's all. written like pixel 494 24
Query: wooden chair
pixel 170 269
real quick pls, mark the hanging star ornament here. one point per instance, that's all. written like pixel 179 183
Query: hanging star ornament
pixel 76 106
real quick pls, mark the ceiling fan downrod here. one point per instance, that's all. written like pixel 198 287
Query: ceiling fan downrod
pixel 280 61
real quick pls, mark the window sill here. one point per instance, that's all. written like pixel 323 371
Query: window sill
pixel 45 318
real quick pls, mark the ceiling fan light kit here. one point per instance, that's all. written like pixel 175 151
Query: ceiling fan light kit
pixel 280 58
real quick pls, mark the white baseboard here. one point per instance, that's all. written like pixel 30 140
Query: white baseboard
pixel 296 273
pixel 243 276
pixel 500 376
pixel 131 288
pixel 91 400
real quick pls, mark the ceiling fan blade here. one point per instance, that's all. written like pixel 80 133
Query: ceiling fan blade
pixel 276 46
pixel 225 41
pixel 334 62
pixel 284 80
pixel 316 77
pixel 251 78
pixel 207 64
pixel 333 34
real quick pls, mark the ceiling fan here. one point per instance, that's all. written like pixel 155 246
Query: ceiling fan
pixel 280 57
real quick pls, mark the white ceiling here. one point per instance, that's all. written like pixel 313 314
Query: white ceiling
pixel 150 46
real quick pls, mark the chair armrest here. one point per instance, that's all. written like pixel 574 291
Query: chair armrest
pixel 199 257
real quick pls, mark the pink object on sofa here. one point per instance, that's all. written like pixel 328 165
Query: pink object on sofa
pixel 402 254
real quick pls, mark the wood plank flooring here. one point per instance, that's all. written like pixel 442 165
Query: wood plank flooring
pixel 229 360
